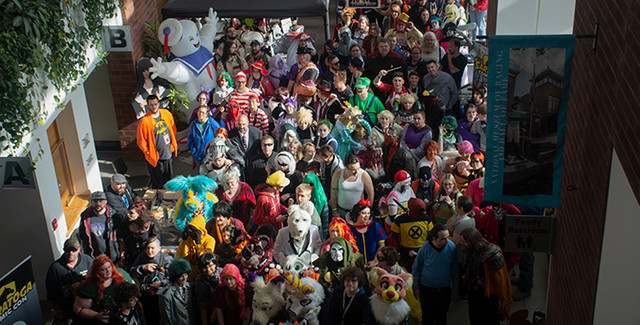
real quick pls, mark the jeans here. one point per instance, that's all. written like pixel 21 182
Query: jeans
pixel 526 272
pixel 477 17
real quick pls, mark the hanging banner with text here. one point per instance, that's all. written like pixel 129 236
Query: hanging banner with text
pixel 528 95
pixel 19 302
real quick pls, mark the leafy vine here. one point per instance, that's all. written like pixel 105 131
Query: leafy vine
pixel 43 40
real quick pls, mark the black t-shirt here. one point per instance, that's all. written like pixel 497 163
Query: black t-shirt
pixel 98 229
pixel 459 62
pixel 60 278
pixel 163 138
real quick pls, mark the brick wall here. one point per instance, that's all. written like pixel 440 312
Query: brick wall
pixel 604 113
pixel 122 72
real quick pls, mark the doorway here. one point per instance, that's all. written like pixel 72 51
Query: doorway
pixel 61 164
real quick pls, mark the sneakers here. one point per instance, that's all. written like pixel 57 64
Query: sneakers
pixel 519 295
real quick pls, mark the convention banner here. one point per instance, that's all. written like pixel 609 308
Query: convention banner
pixel 528 95
pixel 480 59
pixel 18 296
pixel 363 4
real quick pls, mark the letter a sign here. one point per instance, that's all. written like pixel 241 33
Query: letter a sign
pixel 16 172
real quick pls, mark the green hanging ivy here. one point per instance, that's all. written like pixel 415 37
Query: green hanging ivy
pixel 42 38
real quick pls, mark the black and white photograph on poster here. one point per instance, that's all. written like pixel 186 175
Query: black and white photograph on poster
pixel 533 102
pixel 363 4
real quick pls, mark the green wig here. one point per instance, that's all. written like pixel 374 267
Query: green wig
pixel 449 123
pixel 227 76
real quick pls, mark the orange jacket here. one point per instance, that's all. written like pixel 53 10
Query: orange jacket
pixel 146 139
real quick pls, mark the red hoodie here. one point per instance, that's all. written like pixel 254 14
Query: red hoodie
pixel 268 207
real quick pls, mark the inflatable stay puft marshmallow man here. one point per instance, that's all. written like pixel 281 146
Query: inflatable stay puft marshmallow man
pixel 191 66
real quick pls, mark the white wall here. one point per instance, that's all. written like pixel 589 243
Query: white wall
pixel 101 108
pixel 535 17
pixel 27 215
pixel 617 298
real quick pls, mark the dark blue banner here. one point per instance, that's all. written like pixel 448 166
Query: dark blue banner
pixel 528 96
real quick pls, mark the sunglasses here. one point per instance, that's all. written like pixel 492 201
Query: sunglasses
pixel 267 144
pixel 476 160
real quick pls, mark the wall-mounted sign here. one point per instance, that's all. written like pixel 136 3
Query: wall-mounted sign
pixel 16 172
pixel 19 302
pixel 117 39
pixel 363 4
pixel 528 233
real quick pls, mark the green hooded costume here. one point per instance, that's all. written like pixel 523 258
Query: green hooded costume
pixel 330 269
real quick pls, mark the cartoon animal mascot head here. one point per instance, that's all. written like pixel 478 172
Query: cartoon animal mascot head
pixel 268 300
pixel 196 194
pixel 299 222
pixel 305 295
pixel 388 304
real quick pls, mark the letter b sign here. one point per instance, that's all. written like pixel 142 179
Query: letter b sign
pixel 117 39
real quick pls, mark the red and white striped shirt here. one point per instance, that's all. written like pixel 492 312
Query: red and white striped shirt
pixel 259 120
pixel 242 99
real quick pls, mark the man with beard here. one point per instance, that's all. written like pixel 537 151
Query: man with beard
pixel 120 197
pixel 97 233
pixel 231 35
pixel 63 277
pixel 257 54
